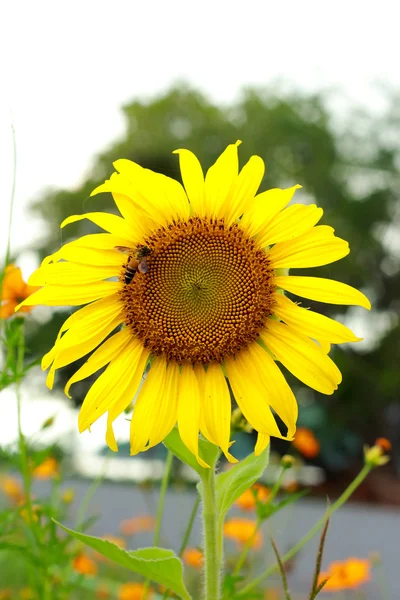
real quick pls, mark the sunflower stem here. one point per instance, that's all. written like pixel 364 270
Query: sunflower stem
pixel 318 525
pixel 212 556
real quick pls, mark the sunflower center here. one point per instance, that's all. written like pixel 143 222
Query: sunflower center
pixel 206 295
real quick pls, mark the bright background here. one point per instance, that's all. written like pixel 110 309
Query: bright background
pixel 67 68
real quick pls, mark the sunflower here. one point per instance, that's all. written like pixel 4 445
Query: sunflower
pixel 207 314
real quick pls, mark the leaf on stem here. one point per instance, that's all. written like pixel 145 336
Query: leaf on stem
pixel 208 452
pixel 232 484
pixel 158 564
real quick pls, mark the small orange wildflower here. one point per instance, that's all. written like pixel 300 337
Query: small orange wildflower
pixel 247 501
pixel 137 524
pixel 346 575
pixel 193 557
pixel 306 442
pixel 15 290
pixel 47 469
pixel 82 563
pixel 12 489
pixel 384 443
pixel 133 591
pixel 241 530
pixel 5 594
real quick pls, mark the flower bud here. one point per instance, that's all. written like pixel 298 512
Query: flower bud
pixel 287 461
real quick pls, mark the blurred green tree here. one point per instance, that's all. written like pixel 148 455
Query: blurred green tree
pixel 349 168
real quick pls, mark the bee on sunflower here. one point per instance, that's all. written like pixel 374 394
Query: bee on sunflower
pixel 199 304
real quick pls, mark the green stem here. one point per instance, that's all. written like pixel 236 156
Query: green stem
pixel 21 439
pixel 246 549
pixel 90 492
pixel 12 199
pixel 277 485
pixel 186 536
pixel 212 557
pixel 243 556
pixel 160 511
pixel 163 491
pixel 293 551
pixel 189 526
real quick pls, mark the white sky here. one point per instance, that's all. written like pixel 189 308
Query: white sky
pixel 68 66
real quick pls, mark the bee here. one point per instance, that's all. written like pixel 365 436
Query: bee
pixel 137 260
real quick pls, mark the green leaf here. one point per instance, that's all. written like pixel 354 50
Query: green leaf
pixel 208 452
pixel 232 484
pixel 158 564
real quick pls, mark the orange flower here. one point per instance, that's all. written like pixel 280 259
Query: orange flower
pixel 137 524
pixel 193 557
pixel 384 443
pixel 346 575
pixel 12 489
pixel 5 594
pixel 15 290
pixel 306 442
pixel 133 591
pixel 247 501
pixel 82 563
pixel 26 593
pixel 47 469
pixel 242 530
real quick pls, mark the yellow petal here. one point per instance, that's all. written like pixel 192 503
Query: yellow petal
pixel 313 249
pixel 263 441
pixel 65 273
pixel 125 396
pixel 278 392
pixel 109 222
pixel 189 402
pixel 92 257
pixel 131 186
pixel 78 342
pixel 98 242
pixel 251 395
pixel 64 295
pixel 302 357
pixel 220 178
pixel 312 324
pixel 98 310
pixel 168 407
pixel 147 406
pixel 265 207
pixel 245 187
pixel 117 386
pixel 101 357
pixel 165 194
pixel 290 223
pixel 325 346
pixel 215 413
pixel 322 290
pixel 193 180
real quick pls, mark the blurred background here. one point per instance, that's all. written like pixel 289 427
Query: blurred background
pixel 311 87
